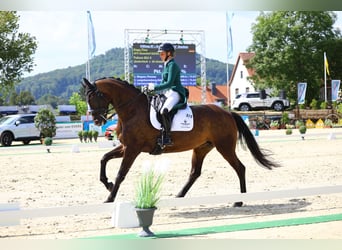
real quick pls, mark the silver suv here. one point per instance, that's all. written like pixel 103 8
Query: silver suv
pixel 18 128
pixel 250 101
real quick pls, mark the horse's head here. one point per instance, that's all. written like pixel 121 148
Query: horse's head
pixel 98 104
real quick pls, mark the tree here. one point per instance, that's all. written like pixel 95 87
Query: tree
pixel 54 101
pixel 289 47
pixel 16 51
pixel 81 105
pixel 45 122
pixel 25 98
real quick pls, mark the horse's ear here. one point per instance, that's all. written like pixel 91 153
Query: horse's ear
pixel 86 83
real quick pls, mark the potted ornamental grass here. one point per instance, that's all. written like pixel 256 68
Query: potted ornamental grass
pixel 95 135
pixel 146 198
pixel 80 135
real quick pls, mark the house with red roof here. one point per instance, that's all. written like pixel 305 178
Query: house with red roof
pixel 213 94
pixel 239 82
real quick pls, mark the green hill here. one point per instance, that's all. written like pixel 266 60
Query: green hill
pixel 63 82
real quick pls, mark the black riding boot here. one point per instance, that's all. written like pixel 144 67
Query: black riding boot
pixel 165 136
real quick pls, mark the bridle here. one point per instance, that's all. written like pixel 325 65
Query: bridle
pixel 103 112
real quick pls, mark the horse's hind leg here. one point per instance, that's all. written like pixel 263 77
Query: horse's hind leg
pixel 239 168
pixel 198 156
pixel 115 153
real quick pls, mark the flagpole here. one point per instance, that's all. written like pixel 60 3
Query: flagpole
pixel 229 49
pixel 325 77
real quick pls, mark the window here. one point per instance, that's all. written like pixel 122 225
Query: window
pixel 247 90
pixel 254 95
pixel 236 91
pixel 26 119
pixel 241 74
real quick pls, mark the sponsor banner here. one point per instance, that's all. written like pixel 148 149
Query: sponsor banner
pixel 335 87
pixel 301 92
pixel 68 129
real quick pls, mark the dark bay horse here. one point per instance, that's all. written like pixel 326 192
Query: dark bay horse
pixel 213 127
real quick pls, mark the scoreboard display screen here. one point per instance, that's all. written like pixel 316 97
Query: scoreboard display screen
pixel 148 67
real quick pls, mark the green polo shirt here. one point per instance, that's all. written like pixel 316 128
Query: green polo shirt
pixel 171 80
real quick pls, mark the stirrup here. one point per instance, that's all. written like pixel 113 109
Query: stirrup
pixel 164 140
pixel 167 141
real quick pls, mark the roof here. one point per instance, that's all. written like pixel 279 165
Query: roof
pixel 245 57
pixel 67 108
pixel 195 94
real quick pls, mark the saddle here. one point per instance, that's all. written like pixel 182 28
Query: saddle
pixel 156 104
pixel 158 100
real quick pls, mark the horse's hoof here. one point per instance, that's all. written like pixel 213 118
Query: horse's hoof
pixel 109 200
pixel 110 186
pixel 238 204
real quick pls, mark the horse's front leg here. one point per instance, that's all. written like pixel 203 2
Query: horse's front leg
pixel 117 152
pixel 127 161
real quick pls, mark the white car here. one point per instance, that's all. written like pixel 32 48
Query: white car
pixel 250 101
pixel 19 127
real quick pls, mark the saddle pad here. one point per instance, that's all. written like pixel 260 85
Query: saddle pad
pixel 182 121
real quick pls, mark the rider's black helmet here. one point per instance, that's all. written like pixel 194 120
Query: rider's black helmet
pixel 166 47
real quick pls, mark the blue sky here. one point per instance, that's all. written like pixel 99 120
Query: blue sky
pixel 62 35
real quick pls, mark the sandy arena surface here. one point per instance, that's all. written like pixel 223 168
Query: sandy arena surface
pixel 37 179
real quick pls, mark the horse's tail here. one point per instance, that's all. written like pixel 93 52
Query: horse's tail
pixel 246 137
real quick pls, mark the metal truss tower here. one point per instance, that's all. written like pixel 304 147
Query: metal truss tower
pixel 173 36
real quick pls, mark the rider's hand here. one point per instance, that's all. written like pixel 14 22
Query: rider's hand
pixel 150 86
pixel 144 89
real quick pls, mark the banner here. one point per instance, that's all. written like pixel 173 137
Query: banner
pixel 301 92
pixel 335 87
pixel 229 17
pixel 91 36
pixel 326 64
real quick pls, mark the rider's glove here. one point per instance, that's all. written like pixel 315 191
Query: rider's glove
pixel 144 89
pixel 150 86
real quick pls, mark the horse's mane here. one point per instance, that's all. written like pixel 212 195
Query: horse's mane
pixel 124 82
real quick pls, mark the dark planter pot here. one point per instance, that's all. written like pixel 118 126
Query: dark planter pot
pixel 145 217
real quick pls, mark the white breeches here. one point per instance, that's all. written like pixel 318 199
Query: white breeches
pixel 172 98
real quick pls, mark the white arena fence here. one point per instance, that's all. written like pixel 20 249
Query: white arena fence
pixel 123 213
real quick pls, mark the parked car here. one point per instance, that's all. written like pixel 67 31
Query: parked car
pixel 109 133
pixel 250 101
pixel 18 127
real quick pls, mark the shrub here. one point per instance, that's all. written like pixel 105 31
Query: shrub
pixel 314 104
pixel 289 131
pixel 285 118
pixel 45 122
pixel 302 129
pixel 47 141
pixel 323 105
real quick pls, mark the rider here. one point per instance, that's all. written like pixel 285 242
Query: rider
pixel 172 87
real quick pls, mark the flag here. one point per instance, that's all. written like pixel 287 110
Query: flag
pixel 229 17
pixel 335 87
pixel 301 92
pixel 91 36
pixel 326 64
